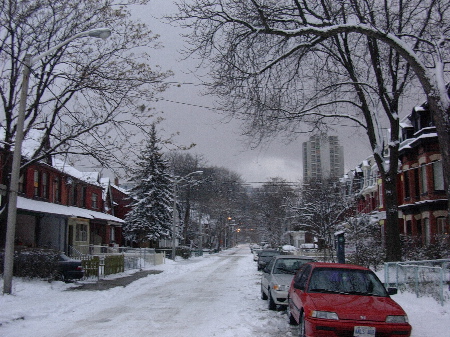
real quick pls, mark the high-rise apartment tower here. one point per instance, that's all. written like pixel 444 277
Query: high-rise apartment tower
pixel 323 158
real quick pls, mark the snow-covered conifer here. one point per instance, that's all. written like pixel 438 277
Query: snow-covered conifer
pixel 150 218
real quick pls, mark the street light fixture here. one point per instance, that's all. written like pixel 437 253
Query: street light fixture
pixel 175 210
pixel 29 61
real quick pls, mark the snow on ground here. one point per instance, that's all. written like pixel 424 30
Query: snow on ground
pixel 214 295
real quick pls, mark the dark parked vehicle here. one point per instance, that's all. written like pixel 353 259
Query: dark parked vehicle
pixel 69 269
pixel 331 300
pixel 265 256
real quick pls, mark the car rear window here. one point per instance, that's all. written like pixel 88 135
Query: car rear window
pixel 287 266
pixel 270 254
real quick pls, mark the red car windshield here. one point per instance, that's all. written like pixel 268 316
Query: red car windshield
pixel 346 281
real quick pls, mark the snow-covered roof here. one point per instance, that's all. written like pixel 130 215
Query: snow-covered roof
pixel 71 211
pixel 405 122
pixel 419 108
pixel 89 177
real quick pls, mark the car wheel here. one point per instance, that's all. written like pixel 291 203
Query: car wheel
pixel 291 318
pixel 263 294
pixel 272 305
pixel 301 323
pixel 59 277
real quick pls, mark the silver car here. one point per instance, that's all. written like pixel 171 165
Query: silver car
pixel 277 277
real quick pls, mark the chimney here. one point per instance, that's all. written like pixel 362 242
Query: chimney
pixel 116 181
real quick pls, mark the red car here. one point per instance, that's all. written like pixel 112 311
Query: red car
pixel 330 299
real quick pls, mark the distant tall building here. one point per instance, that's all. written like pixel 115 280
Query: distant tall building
pixel 323 158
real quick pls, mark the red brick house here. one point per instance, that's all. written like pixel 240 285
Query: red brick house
pixel 422 197
pixel 422 200
pixel 117 203
pixel 62 208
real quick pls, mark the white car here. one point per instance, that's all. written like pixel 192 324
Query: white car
pixel 277 276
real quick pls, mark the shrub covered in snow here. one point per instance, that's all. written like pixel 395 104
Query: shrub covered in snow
pixel 414 250
pixel 34 263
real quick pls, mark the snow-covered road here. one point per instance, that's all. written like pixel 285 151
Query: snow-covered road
pixel 217 295
pixel 214 295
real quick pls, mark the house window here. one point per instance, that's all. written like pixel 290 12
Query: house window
pixel 57 189
pixel 441 224
pixel 438 176
pixel 406 184
pixel 81 232
pixel 416 183
pixel 73 196
pixel 83 196
pixel 94 201
pixel 112 236
pixel 45 185
pixel 22 183
pixel 423 178
pixel 36 183
pixel 408 227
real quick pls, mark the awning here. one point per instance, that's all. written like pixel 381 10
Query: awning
pixel 71 211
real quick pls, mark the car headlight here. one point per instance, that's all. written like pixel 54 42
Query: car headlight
pixel 397 319
pixel 324 314
pixel 280 287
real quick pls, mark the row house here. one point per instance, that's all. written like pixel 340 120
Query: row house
pixel 363 184
pixel 61 208
pixel 422 197
pixel 117 203
pixel 422 201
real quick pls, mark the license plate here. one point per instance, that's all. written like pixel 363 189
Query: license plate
pixel 364 331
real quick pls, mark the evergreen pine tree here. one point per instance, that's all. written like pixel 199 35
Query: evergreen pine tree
pixel 150 218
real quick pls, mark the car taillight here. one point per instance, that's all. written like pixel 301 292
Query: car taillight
pixel 80 268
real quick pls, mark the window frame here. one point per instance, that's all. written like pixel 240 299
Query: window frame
pixel 94 200
pixel 36 183
pixel 438 176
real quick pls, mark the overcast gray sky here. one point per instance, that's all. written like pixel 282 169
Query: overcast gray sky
pixel 219 140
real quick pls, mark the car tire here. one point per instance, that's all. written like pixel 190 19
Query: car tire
pixel 60 277
pixel 271 303
pixel 263 294
pixel 301 325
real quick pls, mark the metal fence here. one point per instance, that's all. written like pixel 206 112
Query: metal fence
pixel 424 278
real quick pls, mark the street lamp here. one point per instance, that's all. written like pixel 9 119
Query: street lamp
pixel 28 62
pixel 175 210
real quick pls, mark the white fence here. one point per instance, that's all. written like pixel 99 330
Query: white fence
pixel 135 258
pixel 424 278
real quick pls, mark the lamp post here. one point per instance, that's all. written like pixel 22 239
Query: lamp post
pixel 175 210
pixel 28 62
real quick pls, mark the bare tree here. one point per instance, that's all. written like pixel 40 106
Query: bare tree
pixel 282 64
pixel 274 200
pixel 183 164
pixel 222 196
pixel 322 211
pixel 86 98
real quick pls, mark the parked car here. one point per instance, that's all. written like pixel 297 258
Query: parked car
pixel 265 256
pixel 69 269
pixel 328 299
pixel 256 254
pixel 277 277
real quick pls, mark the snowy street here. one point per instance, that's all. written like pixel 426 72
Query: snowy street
pixel 217 295
pixel 214 295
